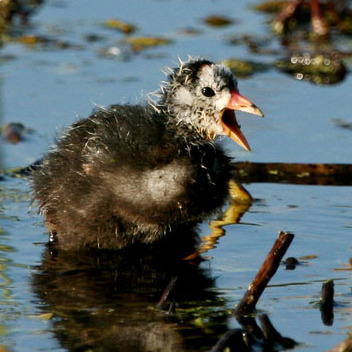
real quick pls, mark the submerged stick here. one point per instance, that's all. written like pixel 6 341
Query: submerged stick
pixel 265 273
pixel 327 302
pixel 166 294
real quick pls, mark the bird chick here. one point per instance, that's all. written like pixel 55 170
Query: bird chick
pixel 136 173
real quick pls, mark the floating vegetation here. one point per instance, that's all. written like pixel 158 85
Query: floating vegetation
pixel 34 40
pixel 206 316
pixel 11 10
pixel 218 21
pixel 141 43
pixel 243 68
pixel 8 8
pixel 319 68
pixel 270 6
pixel 119 25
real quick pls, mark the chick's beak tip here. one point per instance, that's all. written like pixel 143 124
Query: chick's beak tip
pixel 229 123
pixel 241 103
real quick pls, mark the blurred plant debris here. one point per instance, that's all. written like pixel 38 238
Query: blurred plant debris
pixel 45 42
pixel 12 132
pixel 255 44
pixel 316 17
pixel 141 43
pixel 190 31
pixel 317 68
pixel 342 123
pixel 218 21
pixel 311 62
pixel 206 316
pixel 119 25
pixel 11 9
pixel 242 68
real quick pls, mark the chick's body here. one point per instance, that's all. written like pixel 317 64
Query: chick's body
pixel 101 188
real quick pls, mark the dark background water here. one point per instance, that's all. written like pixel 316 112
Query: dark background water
pixel 79 63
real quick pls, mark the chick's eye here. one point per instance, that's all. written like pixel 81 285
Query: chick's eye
pixel 208 92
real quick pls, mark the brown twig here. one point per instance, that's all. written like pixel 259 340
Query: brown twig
pixel 265 273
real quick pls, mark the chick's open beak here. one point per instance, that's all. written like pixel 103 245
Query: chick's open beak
pixel 229 123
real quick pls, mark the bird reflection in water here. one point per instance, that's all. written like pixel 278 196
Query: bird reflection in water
pixel 106 300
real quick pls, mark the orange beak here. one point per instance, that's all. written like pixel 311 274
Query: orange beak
pixel 229 123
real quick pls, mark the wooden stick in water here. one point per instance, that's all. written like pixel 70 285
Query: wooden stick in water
pixel 265 273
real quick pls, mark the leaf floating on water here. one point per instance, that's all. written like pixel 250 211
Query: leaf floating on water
pixel 218 21
pixel 122 26
pixel 141 43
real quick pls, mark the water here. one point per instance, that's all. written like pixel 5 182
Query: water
pixel 46 88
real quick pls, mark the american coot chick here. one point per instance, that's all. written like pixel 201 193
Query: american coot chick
pixel 131 174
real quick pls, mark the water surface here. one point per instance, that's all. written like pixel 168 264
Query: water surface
pixel 46 87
